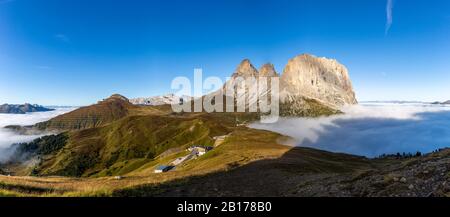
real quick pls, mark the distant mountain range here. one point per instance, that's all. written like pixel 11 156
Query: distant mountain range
pixel 393 101
pixel 160 100
pixel 442 103
pixel 407 102
pixel 22 109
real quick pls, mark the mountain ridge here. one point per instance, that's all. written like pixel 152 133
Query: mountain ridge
pixel 22 108
pixel 115 130
pixel 160 100
pixel 110 109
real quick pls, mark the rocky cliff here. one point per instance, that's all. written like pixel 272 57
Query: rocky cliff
pixel 322 79
pixel 268 70
pixel 309 86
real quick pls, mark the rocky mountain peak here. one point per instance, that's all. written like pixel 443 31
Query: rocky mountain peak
pixel 117 97
pixel 325 80
pixel 246 69
pixel 268 70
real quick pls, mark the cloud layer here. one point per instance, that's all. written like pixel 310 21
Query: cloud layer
pixel 372 129
pixel 7 137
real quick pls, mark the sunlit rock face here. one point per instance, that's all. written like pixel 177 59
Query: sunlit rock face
pixel 322 79
pixel 268 70
pixel 309 86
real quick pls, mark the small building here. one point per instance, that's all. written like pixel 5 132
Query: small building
pixel 200 147
pixel 200 150
pixel 163 169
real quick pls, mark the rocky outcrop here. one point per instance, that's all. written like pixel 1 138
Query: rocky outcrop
pixel 268 70
pixel 322 79
pixel 245 69
pixel 309 86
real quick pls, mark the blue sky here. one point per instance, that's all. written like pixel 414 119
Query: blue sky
pixel 75 52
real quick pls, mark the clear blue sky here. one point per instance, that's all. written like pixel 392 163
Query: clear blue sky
pixel 75 52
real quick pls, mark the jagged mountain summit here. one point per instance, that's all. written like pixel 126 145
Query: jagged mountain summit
pixel 245 69
pixel 268 70
pixel 160 100
pixel 322 79
pixel 309 85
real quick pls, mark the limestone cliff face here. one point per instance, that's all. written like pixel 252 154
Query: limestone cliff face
pixel 268 70
pixel 321 79
pixel 309 86
pixel 245 69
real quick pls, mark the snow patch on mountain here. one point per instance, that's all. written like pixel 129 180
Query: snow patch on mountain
pixel 161 100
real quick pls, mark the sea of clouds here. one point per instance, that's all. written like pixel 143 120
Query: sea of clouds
pixel 372 129
pixel 8 137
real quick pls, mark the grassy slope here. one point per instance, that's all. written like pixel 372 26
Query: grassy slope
pixel 245 164
pixel 114 137
pixel 100 114
pixel 98 151
pixel 241 147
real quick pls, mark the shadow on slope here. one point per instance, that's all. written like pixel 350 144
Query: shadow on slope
pixel 269 177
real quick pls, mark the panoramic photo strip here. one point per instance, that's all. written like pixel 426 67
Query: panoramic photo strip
pixel 213 107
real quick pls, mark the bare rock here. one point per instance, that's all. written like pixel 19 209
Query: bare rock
pixel 325 80
pixel 268 70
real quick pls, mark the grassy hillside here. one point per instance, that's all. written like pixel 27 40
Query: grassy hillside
pixel 114 136
pixel 254 163
pixel 100 114
pixel 95 151
pixel 304 107
pixel 241 147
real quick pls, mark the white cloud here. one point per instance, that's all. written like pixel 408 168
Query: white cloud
pixel 371 129
pixel 389 6
pixel 7 137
